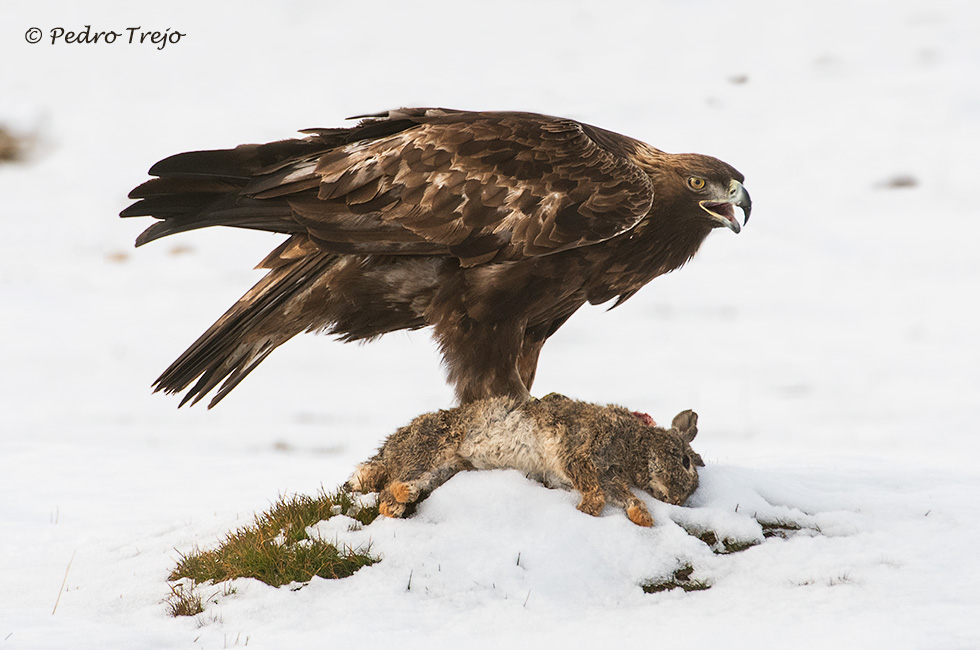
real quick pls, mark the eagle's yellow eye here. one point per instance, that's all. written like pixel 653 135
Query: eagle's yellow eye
pixel 696 182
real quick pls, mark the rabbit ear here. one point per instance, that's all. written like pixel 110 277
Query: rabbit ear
pixel 686 423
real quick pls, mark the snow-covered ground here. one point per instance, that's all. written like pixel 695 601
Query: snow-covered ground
pixel 830 349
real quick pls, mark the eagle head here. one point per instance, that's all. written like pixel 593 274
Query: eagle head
pixel 699 188
pixel 716 187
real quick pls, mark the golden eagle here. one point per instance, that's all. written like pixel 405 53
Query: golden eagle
pixel 492 227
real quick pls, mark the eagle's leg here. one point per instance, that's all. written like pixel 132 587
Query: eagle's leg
pixel 534 339
pixel 482 358
pixel 527 360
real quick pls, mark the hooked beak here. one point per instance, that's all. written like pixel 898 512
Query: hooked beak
pixel 724 211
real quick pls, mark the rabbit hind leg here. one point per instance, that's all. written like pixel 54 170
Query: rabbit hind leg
pixel 370 476
pixel 585 479
pixel 411 489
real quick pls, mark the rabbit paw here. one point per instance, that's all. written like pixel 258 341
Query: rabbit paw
pixel 639 515
pixel 404 492
pixel 592 503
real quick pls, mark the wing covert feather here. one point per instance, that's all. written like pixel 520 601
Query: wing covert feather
pixel 480 186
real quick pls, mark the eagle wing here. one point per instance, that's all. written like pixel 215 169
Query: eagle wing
pixel 477 186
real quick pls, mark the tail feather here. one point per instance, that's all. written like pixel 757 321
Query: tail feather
pixel 197 189
pixel 213 377
pixel 270 314
pixel 253 217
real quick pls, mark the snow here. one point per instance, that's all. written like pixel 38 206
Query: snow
pixel 830 349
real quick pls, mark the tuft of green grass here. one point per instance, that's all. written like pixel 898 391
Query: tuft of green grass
pixel 681 579
pixel 277 549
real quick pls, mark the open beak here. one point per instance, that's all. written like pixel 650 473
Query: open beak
pixel 724 211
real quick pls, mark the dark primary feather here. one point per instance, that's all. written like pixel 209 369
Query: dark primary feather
pixel 492 227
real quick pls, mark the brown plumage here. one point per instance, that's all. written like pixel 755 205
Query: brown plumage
pixel 494 228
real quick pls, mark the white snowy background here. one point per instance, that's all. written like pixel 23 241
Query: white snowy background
pixel 831 349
